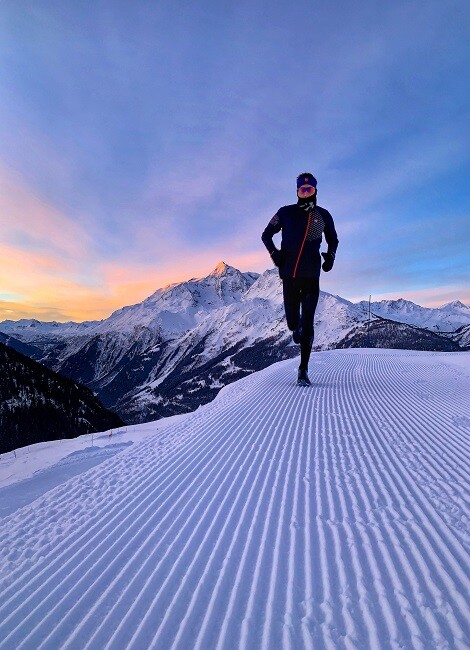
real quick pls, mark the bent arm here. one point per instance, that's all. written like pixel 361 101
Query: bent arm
pixel 273 227
pixel 330 234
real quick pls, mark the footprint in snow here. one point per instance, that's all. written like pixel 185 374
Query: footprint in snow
pixel 461 421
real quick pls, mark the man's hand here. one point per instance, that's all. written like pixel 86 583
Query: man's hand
pixel 329 261
pixel 276 256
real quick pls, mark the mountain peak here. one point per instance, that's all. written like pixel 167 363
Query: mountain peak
pixel 222 269
pixel 455 304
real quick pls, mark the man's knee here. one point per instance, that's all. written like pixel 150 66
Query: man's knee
pixel 292 322
pixel 308 333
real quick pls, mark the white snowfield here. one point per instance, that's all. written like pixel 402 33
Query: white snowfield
pixel 274 517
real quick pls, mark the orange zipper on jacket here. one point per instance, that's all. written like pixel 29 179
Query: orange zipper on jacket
pixel 302 247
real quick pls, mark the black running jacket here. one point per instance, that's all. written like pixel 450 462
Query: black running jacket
pixel 301 239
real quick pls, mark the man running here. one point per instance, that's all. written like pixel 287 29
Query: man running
pixel 299 261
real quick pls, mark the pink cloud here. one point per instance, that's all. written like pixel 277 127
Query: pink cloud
pixel 24 215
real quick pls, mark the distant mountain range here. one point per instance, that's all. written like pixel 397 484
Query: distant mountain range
pixel 178 347
pixel 37 404
pixel 447 318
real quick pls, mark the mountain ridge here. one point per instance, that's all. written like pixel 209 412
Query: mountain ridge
pixel 220 270
pixel 175 349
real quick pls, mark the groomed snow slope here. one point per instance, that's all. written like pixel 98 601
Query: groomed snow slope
pixel 274 517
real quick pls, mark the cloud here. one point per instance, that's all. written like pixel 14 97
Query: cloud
pixel 29 222
pixel 47 266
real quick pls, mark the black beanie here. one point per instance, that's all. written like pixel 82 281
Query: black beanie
pixel 306 179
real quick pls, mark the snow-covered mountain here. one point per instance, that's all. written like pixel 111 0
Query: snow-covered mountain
pixel 170 311
pixel 179 307
pixel 177 348
pixel 386 333
pixel 447 318
pixel 462 337
pixel 273 517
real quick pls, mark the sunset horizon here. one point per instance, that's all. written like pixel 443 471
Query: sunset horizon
pixel 137 294
pixel 140 145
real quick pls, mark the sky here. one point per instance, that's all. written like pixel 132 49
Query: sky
pixel 143 142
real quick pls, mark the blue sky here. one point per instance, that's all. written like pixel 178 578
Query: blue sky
pixel 142 142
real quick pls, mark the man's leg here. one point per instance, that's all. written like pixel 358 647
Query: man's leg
pixel 291 293
pixel 309 299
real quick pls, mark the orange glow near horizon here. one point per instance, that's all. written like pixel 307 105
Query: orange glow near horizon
pixel 57 278
pixel 36 290
pixel 36 286
pixel 51 270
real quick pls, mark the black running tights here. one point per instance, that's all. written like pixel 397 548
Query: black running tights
pixel 300 302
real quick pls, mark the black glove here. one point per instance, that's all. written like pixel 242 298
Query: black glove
pixel 277 256
pixel 329 261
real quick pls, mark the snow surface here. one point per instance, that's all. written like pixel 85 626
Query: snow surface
pixel 29 472
pixel 273 517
